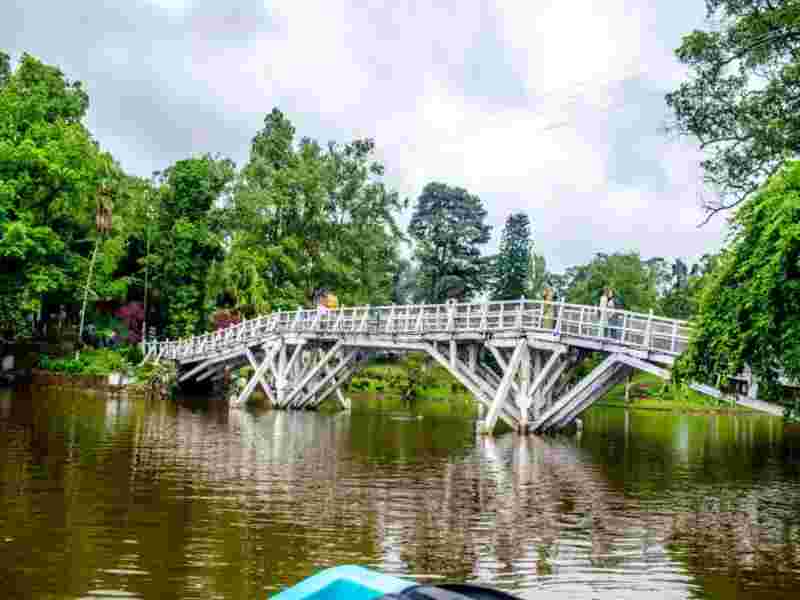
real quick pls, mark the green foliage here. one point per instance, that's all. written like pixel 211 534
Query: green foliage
pixel 512 264
pixel 50 170
pixel 634 281
pixel 538 277
pixel 792 413
pixel 188 241
pixel 305 217
pixel 155 373
pixel 749 313
pixel 680 300
pixel 411 378
pixel 95 362
pixel 5 68
pixel 740 100
pixel 448 227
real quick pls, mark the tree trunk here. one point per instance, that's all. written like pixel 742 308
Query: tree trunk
pixel 86 293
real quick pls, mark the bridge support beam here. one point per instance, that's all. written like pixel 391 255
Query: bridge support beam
pixel 258 376
pixel 336 377
pixel 535 394
pixel 306 379
pixel 326 385
pixel 505 385
pixel 604 376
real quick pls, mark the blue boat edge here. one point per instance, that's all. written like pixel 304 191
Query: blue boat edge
pixel 347 581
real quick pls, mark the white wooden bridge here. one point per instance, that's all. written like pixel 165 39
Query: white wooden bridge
pixel 520 359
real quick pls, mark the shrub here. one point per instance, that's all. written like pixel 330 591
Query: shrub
pixel 96 362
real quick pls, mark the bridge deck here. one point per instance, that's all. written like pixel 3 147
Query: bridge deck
pixel 579 324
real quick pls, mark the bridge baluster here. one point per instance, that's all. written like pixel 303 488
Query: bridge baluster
pixel 646 333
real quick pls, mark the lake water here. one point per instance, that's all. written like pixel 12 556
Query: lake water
pixel 107 498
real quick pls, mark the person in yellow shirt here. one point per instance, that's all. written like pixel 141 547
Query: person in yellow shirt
pixel 330 301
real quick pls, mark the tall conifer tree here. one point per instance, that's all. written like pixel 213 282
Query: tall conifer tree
pixel 512 264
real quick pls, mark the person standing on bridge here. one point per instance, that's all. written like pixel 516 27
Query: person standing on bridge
pixel 604 298
pixel 611 304
pixel 548 308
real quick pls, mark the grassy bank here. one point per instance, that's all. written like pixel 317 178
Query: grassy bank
pixel 649 392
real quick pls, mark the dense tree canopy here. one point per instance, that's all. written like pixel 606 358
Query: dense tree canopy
pixel 449 229
pixel 740 101
pixel 304 217
pixel 299 217
pixel 749 313
pixel 50 173
pixel 188 240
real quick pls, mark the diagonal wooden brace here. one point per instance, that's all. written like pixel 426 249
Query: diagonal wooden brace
pixel 505 386
pixel 308 397
pixel 542 376
pixel 306 379
pixel 509 414
pixel 257 378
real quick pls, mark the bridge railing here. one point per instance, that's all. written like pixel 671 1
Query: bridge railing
pixel 636 330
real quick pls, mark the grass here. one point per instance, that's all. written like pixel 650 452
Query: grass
pixel 649 392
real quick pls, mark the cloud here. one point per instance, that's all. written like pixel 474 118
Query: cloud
pixel 554 108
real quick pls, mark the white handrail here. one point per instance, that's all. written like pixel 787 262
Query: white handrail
pixel 621 327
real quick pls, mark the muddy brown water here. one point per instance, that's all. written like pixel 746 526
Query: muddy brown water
pixel 109 498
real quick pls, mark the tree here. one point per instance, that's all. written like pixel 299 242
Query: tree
pixel 315 217
pixel 189 240
pixel 5 68
pixel 538 277
pixel 741 100
pixel 50 173
pixel 404 290
pixel 678 300
pixel 749 313
pixel 449 229
pixel 512 264
pixel 635 282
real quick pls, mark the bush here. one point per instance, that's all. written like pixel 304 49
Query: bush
pixel 152 373
pixel 132 354
pixel 96 362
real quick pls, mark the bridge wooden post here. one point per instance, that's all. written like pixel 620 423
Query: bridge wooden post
pixel 545 378
pixel 523 387
pixel 280 374
pixel 648 332
pixel 264 387
pixel 503 389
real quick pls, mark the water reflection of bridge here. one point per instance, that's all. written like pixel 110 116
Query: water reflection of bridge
pixel 518 512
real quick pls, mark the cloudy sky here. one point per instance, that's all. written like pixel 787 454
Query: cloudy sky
pixel 553 107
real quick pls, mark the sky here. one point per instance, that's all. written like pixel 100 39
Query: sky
pixel 553 108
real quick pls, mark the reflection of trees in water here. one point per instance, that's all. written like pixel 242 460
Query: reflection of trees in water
pixel 728 497
pixel 195 504
pixel 61 479
pixel 505 510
